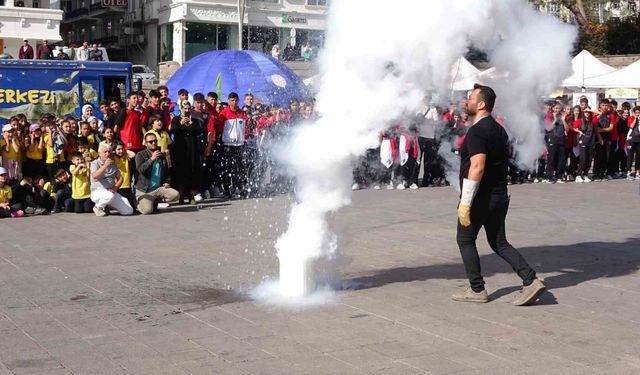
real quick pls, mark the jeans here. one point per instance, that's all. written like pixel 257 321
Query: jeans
pixel 104 198
pixel 489 211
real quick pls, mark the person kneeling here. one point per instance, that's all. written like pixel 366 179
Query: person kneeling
pixel 105 182
pixel 152 184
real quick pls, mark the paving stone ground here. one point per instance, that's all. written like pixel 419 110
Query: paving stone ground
pixel 168 294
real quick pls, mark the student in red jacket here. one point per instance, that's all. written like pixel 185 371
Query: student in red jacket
pixel 233 124
pixel 26 51
pixel 131 130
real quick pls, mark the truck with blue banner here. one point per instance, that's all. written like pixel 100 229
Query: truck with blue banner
pixel 36 87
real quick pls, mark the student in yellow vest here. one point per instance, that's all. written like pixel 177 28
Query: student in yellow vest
pixel 34 165
pixel 80 187
pixel 108 137
pixel 5 196
pixel 55 141
pixel 156 127
pixel 86 132
pixel 123 163
pixel 10 150
pixel 84 148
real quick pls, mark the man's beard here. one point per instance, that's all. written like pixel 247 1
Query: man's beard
pixel 470 111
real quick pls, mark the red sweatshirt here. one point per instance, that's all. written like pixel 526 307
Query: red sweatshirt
pixel 131 133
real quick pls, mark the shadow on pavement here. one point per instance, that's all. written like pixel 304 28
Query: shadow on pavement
pixel 570 265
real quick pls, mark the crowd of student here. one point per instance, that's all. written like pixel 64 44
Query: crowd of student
pixel 145 155
pixel 154 151
pixel 576 137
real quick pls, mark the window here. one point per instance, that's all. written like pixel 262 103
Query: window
pixel 317 2
pixel 267 1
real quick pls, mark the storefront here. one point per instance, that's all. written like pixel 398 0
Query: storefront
pixel 188 29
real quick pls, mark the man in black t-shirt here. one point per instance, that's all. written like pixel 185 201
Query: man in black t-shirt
pixel 484 201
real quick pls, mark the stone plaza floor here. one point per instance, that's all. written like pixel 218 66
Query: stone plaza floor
pixel 171 293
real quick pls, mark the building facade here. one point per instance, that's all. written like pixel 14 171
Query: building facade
pixel 151 31
pixel 35 20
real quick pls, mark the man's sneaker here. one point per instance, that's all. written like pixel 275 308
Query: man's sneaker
pixel 537 180
pixel 400 187
pixel 390 186
pixel 586 179
pixel 163 205
pixel 100 212
pixel 413 186
pixel 630 177
pixel 376 187
pixel 468 295
pixel 18 213
pixel 40 211
pixel 530 293
pixel 637 176
pixel 609 177
pixel 355 186
pixel 197 198
pixel 561 181
pixel 579 179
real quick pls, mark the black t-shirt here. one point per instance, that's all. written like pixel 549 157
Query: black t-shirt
pixel 489 138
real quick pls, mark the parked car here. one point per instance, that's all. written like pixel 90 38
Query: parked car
pixel 143 72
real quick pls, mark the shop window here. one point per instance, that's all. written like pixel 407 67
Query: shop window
pixel 317 2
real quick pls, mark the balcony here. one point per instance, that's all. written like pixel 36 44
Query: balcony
pixel 30 23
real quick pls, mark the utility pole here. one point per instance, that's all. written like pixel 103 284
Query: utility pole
pixel 241 10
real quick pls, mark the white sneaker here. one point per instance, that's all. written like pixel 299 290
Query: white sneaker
pixel 355 186
pixel 400 187
pixel 537 180
pixel 99 211
pixel 547 181
pixel 579 179
pixel 207 194
pixel 630 177
pixel 197 198
pixel 637 176
pixel 376 187
pixel 586 179
pixel 163 205
pixel 561 181
pixel 413 186
pixel 390 186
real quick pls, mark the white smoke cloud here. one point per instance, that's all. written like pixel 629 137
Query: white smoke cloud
pixel 379 60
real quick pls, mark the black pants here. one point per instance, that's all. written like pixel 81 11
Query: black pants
pixel 586 155
pixel 613 165
pixel 555 161
pixel 601 158
pixel 633 154
pixel 489 211
pixel 63 201
pixel 572 161
pixel 409 171
pixel 232 167
pixel 429 149
pixel 82 206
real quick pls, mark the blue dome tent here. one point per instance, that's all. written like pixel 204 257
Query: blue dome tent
pixel 225 71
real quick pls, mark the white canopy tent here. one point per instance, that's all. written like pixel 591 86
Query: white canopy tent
pixel 462 69
pixel 625 78
pixel 484 77
pixel 585 66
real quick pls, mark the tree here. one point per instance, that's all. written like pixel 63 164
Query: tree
pixel 576 7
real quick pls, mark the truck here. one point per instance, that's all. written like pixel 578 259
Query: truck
pixel 37 87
